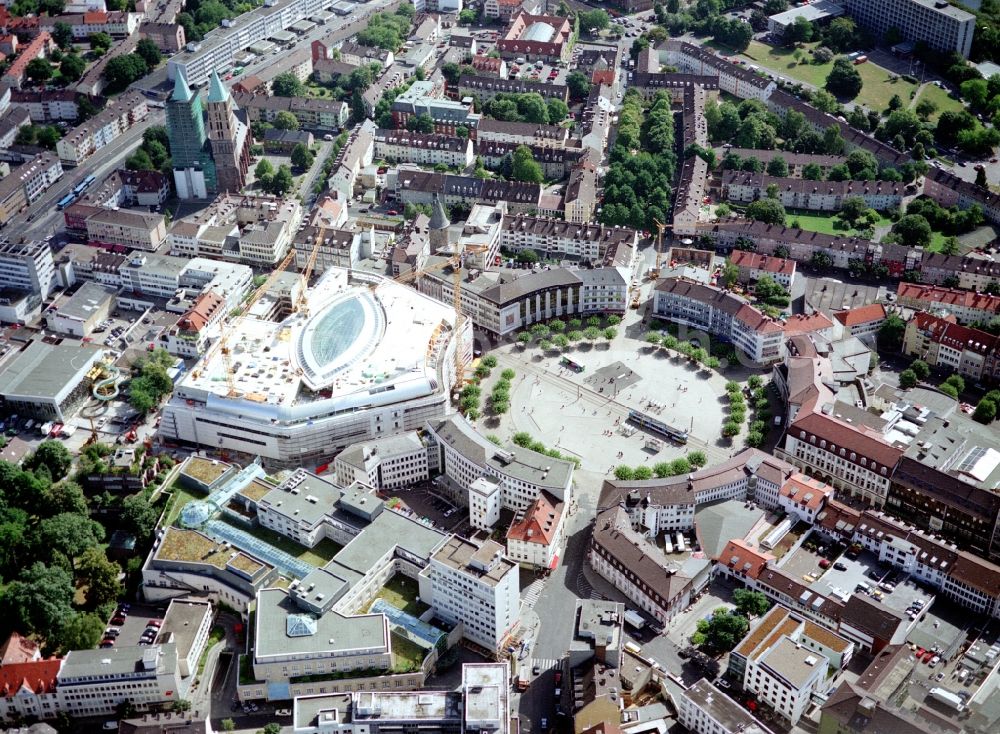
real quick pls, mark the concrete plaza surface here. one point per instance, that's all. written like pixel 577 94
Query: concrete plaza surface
pixel 572 411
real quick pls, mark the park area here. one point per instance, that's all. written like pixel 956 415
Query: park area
pixel 826 223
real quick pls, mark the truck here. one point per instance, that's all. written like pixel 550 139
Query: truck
pixel 681 546
pixel 633 648
pixel 948 698
pixel 634 619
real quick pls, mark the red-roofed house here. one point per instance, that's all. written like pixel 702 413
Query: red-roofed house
pixel 489 66
pixel 965 305
pixel 39 47
pixel 754 266
pixel 189 336
pixel 814 324
pixel 535 537
pixel 28 690
pixel 804 496
pixel 942 343
pixel 19 649
pixel 739 561
pixel 864 321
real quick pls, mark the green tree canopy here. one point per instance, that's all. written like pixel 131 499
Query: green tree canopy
pixel 844 80
pixel 40 598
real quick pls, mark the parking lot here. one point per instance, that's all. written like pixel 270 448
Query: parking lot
pixel 135 624
pixel 425 501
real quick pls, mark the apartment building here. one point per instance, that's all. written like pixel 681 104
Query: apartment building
pixel 486 88
pixel 786 676
pixel 695 59
pixel 556 163
pixel 477 585
pixel 722 314
pixel 116 23
pixel 431 149
pixel 754 266
pixel 27 266
pixel 704 709
pixel 536 536
pixel 427 98
pixel 46 107
pixel 168 37
pixel 531 296
pixel 38 47
pixel 95 682
pixel 190 336
pixel 24 184
pixel 940 25
pixel 521 133
pixel 580 197
pixel 863 322
pixel 358 152
pixel 803 497
pixel 554 238
pixel 143 188
pixel 797 193
pixel 503 10
pixel 946 345
pixel 135 230
pixel 11 124
pixel 100 130
pixel 339 248
pixel 655 506
pixel 421 187
pixel 254 230
pixel 385 463
pixel 853 458
pixel 691 184
pixel 321 115
pixel 796 162
pixel 639 570
pixel 464 455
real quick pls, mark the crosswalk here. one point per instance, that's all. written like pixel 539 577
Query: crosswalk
pixel 584 589
pixel 531 592
pixel 544 664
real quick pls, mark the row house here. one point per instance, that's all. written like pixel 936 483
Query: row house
pixel 103 128
pixel 949 190
pixel 946 345
pixel 797 193
pixel 55 105
pixel 421 187
pixel 312 113
pixel 736 80
pixel 485 88
pixel 796 162
pixel 116 23
pixel 521 133
pixel 722 314
pixel 862 322
pixel 691 185
pixel 966 306
pixel 426 149
pixel 37 48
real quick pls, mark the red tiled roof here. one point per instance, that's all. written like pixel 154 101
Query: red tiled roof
pixel 95 16
pixel 38 676
pixel 802 324
pixel 539 522
pixel 863 315
pixel 18 649
pixel 200 314
pixel 741 558
pixel 949 296
pixel 852 438
pixel 806 491
pixel 756 261
pixel 955 336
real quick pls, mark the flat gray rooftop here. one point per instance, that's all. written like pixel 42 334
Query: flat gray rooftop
pixel 388 530
pixel 43 370
pixel 181 624
pixel 87 300
pixel 409 706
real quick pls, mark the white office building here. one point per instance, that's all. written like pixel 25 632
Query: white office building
pixel 385 463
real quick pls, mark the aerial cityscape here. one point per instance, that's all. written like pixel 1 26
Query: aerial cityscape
pixel 500 366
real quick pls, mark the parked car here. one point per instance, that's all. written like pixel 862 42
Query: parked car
pixel 840 566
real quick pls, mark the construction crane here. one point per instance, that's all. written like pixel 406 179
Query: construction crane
pixel 223 343
pixel 302 302
pixel 660 226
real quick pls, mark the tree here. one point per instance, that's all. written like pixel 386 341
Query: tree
pixel 844 80
pixel 920 369
pixel 594 20
pixel 981 181
pixel 841 34
pixel 624 473
pixel 956 381
pixel 801 31
pixel 610 333
pixel 287 85
pixel 730 274
pixel 100 42
pixel 907 379
pixel 54 456
pixel 150 52
pixel 751 603
pixel 41 598
pixel 229 724
pixel 38 70
pixel 71 68
pixel 69 534
pixel 723 630
pixel 950 246
pixel 766 210
pixel 139 161
pixel 890 334
pixel 524 167
pixel 986 411
pixel 66 496
pixel 80 631
pixel 102 575
pixel 285 120
pixel 123 70
pixel 272 728
pixel 183 704
pixel 578 85
pixel 302 157
pixel 913 230
pixel 812 172
pixel 697 459
pixel 62 34
pixel 467 17
pixel 777 167
pixel 264 169
pixel 138 517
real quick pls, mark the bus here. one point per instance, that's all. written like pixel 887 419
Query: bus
pixel 570 364
pixel 651 424
pixel 84 185
pixel 66 201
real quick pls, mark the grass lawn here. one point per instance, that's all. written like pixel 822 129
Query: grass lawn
pixel 178 498
pixel 406 655
pixel 322 554
pixel 402 593
pixel 937 239
pixel 825 223
pixel 875 93
pixel 940 98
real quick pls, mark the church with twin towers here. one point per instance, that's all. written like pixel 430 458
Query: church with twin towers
pixel 210 144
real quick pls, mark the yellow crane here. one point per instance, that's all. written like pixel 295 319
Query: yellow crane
pixel 660 226
pixel 302 302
